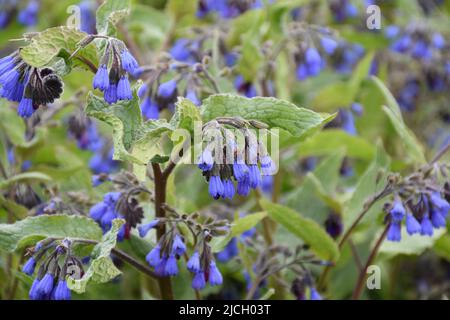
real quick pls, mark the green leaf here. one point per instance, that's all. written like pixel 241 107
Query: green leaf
pixel 24 177
pixel 306 229
pixel 32 229
pixel 442 246
pixel 327 141
pixel 102 268
pixel 412 145
pixel 274 112
pixel 410 245
pixel 109 14
pixel 186 113
pixel 58 42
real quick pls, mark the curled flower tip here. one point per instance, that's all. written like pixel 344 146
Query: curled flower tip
pixel 167 89
pixel 153 258
pixel 28 267
pixel 25 109
pixel 62 292
pixel 45 286
pixel 215 277
pixel 171 267
pixel 178 246
pixel 144 229
pixel 412 225
pixel 101 78
pixel 314 294
pixel 398 211
pixel 193 264
pixel 198 282
pixel 394 232
pixel 98 210
pixel 129 63
pixel 216 189
pixel 426 227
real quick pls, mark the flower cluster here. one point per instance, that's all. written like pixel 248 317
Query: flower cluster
pixel 29 86
pixel 106 211
pixel 171 247
pixel 420 203
pixel 87 16
pixel 225 8
pixel 342 10
pixel 229 157
pixel 27 14
pixel 116 64
pixel 55 262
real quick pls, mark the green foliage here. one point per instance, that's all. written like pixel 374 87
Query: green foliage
pixel 110 13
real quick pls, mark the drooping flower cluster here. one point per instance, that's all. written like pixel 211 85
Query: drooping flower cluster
pixel 171 247
pixel 27 12
pixel 116 64
pixel 54 262
pixel 228 157
pixel 106 211
pixel 420 203
pixel 225 8
pixel 29 86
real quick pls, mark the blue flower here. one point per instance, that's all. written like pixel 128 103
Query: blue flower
pixel 25 108
pixel 254 176
pixel 228 188
pixel 191 95
pixel 267 184
pixel 426 227
pixel 439 202
pixel 34 294
pixel 193 264
pixel 167 89
pixel 243 186
pixel 198 282
pixel 313 61
pixel 10 79
pixel 412 225
pixel 266 165
pixel 180 50
pixel 216 189
pixel 124 89
pixel 150 109
pixel 348 122
pixel 129 63
pixel 314 294
pixel 144 229
pixel 153 258
pixel 438 40
pixel 398 211
pixel 45 286
pixel 230 251
pixel 328 44
pixel 62 292
pixel 107 218
pixel 215 277
pixel 28 16
pixel 394 232
pixel 101 78
pixel 28 267
pixel 160 268
pixel 6 64
pixel 171 267
pixel 142 91
pixel 206 160
pixel 87 17
pixel 178 246
pixel 437 219
pixel 391 31
pixel 111 93
pixel 240 170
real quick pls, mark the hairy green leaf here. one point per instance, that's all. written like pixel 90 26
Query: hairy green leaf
pixel 110 13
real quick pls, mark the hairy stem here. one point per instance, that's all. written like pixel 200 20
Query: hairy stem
pixel 362 275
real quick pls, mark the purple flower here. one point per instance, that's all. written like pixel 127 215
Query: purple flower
pixel 394 232
pixel 28 16
pixel 243 186
pixel 129 63
pixel 171 267
pixel 28 267
pixel 240 170
pixel 193 264
pixel 398 211
pixel 45 286
pixel 412 225
pixel 191 95
pixel 254 176
pixel 314 294
pixel 328 44
pixel 216 189
pixel 62 292
pixel 206 160
pixel 34 294
pixel 228 187
pixel 198 282
pixel 124 89
pixel 153 258
pixel 215 277
pixel 178 246
pixel 150 109
pixel 25 108
pixel 111 93
pixel 167 89
pixel 101 78
pixel 437 219
pixel 426 227
pixel 144 229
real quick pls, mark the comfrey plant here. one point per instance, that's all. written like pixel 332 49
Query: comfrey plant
pixel 27 12
pixel 29 86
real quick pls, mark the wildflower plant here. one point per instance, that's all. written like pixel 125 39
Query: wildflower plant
pixel 176 147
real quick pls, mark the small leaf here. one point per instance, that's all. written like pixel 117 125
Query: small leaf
pixel 412 145
pixel 306 229
pixel 32 229
pixel 24 177
pixel 186 113
pixel 274 112
pixel 110 13
pixel 58 41
pixel 102 268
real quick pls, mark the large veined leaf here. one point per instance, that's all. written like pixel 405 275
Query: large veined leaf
pixel 102 268
pixel 412 145
pixel 58 41
pixel 110 13
pixel 32 229
pixel 274 112
pixel 306 229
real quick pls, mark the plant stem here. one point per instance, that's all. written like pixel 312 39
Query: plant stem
pixel 440 154
pixel 253 289
pixel 362 275
pixel 160 177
